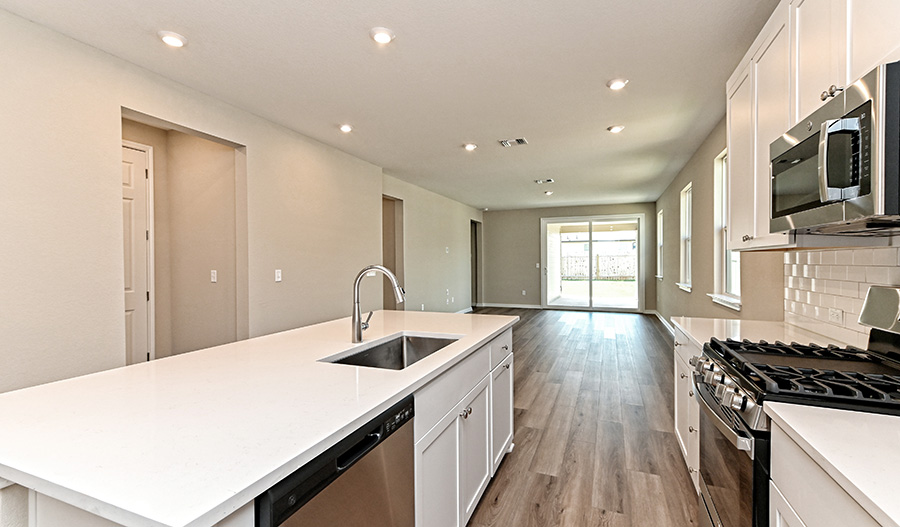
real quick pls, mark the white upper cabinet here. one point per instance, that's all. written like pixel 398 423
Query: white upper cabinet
pixel 758 111
pixel 820 36
pixel 874 37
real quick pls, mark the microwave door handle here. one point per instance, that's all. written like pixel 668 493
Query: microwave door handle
pixel 826 193
pixel 832 126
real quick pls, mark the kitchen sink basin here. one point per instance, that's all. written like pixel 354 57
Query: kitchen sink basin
pixel 397 353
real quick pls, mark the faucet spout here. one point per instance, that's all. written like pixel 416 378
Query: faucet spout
pixel 399 294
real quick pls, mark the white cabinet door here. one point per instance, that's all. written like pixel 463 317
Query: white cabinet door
pixel 741 209
pixel 474 447
pixel 873 35
pixel 780 512
pixel 437 475
pixel 501 411
pixel 772 111
pixel 687 419
pixel 819 42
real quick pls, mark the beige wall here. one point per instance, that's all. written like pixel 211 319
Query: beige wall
pixel 313 211
pixel 512 242
pixel 432 224
pixel 761 272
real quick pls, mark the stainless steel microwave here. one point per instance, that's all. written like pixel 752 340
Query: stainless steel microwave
pixel 838 170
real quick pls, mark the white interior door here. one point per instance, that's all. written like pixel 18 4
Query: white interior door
pixel 135 177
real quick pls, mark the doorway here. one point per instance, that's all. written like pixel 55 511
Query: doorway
pixel 392 247
pixel 189 240
pixel 592 263
pixel 475 260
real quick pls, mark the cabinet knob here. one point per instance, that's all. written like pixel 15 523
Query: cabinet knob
pixel 691 429
pixel 465 413
pixel 692 470
pixel 683 376
pixel 691 393
pixel 505 347
pixel 678 344
pixel 506 366
pixel 746 238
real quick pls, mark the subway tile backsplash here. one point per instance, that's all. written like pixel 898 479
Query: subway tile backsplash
pixel 822 286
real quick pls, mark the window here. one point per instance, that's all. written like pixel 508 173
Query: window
pixel 727 265
pixel 659 245
pixel 686 210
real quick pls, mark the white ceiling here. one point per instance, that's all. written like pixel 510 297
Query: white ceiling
pixel 459 71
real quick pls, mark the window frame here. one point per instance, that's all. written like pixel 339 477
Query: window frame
pixel 685 240
pixel 722 255
pixel 659 244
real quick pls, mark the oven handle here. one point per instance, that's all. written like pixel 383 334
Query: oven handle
pixel 734 437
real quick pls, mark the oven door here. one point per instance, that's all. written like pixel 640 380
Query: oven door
pixel 733 485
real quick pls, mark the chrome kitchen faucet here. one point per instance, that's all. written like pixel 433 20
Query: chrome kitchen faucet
pixel 399 294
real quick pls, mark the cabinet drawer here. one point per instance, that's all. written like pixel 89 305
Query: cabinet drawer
pixel 439 396
pixel 500 347
pixel 685 347
pixel 817 499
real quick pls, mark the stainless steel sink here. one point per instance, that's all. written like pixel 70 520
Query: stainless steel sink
pixel 397 353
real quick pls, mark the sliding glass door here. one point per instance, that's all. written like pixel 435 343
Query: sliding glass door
pixel 592 262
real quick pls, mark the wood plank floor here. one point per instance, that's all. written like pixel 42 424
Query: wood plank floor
pixel 594 435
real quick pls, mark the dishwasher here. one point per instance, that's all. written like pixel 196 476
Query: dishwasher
pixel 366 479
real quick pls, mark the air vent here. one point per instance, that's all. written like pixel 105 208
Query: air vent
pixel 513 142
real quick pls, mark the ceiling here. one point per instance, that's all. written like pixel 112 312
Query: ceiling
pixel 459 71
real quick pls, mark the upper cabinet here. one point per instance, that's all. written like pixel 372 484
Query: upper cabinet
pixel 819 28
pixel 805 47
pixel 758 111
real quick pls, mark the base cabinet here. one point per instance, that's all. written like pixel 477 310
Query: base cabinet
pixel 780 512
pixel 474 448
pixel 687 412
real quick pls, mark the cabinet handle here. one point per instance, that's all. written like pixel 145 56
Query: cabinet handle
pixel 691 470
pixel 746 238
pixel 506 366
pixel 505 347
pixel 678 344
pixel 683 376
pixel 464 414
pixel 830 92
pixel 691 429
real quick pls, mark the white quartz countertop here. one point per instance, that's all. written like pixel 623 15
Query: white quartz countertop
pixel 186 440
pixel 859 450
pixel 700 330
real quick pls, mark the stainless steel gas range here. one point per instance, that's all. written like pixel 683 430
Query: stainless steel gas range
pixel 735 379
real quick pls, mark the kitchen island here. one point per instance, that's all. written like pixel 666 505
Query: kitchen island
pixel 191 440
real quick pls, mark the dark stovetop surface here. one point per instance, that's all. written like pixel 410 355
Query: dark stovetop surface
pixel 848 378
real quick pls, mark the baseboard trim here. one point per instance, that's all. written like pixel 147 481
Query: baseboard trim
pixel 662 319
pixel 466 310
pixel 511 306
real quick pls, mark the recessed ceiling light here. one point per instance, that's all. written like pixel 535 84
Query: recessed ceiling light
pixel 485 209
pixel 548 192
pixel 616 129
pixel 172 39
pixel 617 84
pixel 470 146
pixel 346 128
pixel 382 35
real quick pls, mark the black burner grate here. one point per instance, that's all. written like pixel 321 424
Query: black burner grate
pixel 830 383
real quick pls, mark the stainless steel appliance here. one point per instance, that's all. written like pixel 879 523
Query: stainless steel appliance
pixel 366 479
pixel 838 170
pixel 734 380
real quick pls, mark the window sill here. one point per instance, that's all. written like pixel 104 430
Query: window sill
pixel 731 302
pixel 683 287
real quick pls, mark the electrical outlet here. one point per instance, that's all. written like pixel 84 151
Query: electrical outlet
pixel 448 301
pixel 277 275
pixel 448 292
pixel 523 292
pixel 212 276
pixel 835 315
pixel 537 265
pixel 423 307
pixel 447 250
pixel 452 301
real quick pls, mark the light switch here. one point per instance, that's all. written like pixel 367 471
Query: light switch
pixel 537 265
pixel 447 250
pixel 277 275
pixel 212 276
pixel 523 292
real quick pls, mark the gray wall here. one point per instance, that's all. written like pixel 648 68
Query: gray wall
pixel 512 247
pixel 436 248
pixel 762 282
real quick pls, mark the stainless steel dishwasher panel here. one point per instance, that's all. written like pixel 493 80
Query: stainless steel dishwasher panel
pixel 378 491
pixel 365 480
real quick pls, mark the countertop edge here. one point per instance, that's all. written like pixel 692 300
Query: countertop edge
pixel 872 508
pixel 239 499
